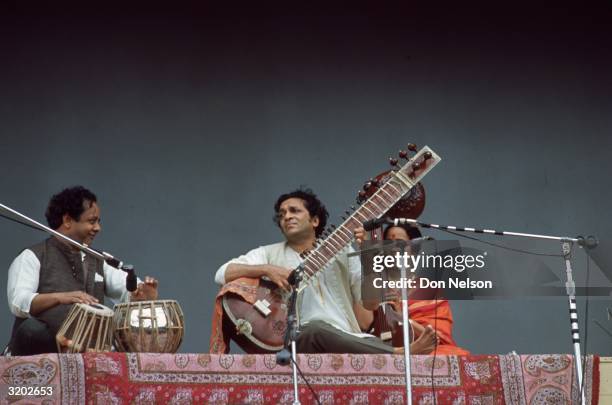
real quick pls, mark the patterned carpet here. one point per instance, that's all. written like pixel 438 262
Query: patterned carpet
pixel 120 378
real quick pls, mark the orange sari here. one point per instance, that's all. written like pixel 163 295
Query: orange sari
pixel 436 313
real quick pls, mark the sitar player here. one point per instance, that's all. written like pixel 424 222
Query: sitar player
pixel 332 318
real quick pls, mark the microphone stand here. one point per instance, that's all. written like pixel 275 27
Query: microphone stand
pixel 289 352
pixel 107 257
pixel 570 286
pixel 405 331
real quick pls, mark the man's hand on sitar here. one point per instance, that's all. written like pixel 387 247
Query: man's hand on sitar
pixel 278 275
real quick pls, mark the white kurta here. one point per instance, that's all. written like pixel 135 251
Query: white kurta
pixel 329 296
pixel 23 275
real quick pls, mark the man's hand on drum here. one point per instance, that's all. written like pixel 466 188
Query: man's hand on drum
pixel 72 297
pixel 64 343
pixel 146 291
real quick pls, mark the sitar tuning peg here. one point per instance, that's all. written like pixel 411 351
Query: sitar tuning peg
pixel 374 182
pixel 393 162
pixel 412 147
pixel 361 196
pixel 403 154
pixel 416 165
pixel 427 155
pixel 367 185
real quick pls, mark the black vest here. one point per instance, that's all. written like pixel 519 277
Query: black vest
pixel 61 269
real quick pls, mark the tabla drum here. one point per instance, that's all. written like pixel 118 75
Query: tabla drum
pixel 89 327
pixel 148 326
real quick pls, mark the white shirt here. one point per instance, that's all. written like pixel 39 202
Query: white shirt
pixel 330 294
pixel 23 279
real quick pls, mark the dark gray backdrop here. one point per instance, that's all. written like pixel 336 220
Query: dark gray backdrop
pixel 188 124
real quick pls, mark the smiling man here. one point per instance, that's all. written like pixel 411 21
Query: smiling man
pixel 331 316
pixel 47 278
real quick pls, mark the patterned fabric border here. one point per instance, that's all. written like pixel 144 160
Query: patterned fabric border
pixel 72 374
pixel 319 369
pixel 132 378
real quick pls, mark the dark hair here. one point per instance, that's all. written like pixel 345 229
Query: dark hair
pixel 312 203
pixel 69 201
pixel 412 231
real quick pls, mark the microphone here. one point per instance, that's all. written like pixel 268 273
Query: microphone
pixel 109 259
pixel 376 223
pixel 415 243
pixel 131 282
pixel 421 239
pixel 589 242
pixel 283 358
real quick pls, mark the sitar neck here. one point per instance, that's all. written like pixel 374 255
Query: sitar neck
pixel 374 207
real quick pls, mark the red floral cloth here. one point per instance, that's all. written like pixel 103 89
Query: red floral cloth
pixel 120 378
pixel 245 287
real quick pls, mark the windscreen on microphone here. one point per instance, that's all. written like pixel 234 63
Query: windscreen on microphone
pixel 421 239
pixel 375 223
pixel 283 358
pixel 589 242
pixel 131 282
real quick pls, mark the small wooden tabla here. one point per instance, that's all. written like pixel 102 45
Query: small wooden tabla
pixel 89 327
pixel 148 326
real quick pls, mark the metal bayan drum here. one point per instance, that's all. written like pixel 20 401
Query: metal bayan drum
pixel 89 327
pixel 148 326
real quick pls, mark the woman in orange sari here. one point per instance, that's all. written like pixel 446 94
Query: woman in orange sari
pixel 435 313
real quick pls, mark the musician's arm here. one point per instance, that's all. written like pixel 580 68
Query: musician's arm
pixel 253 264
pixel 276 274
pixel 22 286
pixel 236 270
pixel 22 283
pixel 42 302
pixel 241 266
pixel 364 317
pixel 417 328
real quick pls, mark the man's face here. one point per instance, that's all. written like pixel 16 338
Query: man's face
pixel 295 220
pixel 84 229
pixel 397 233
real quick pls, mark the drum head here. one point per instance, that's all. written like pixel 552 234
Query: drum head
pixel 97 309
pixel 148 326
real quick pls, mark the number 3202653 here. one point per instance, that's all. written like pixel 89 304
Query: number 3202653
pixel 30 391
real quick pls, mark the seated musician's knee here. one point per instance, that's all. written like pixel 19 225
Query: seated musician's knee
pixel 31 329
pixel 32 337
pixel 313 328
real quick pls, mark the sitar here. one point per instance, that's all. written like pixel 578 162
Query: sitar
pixel 259 326
pixel 387 323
